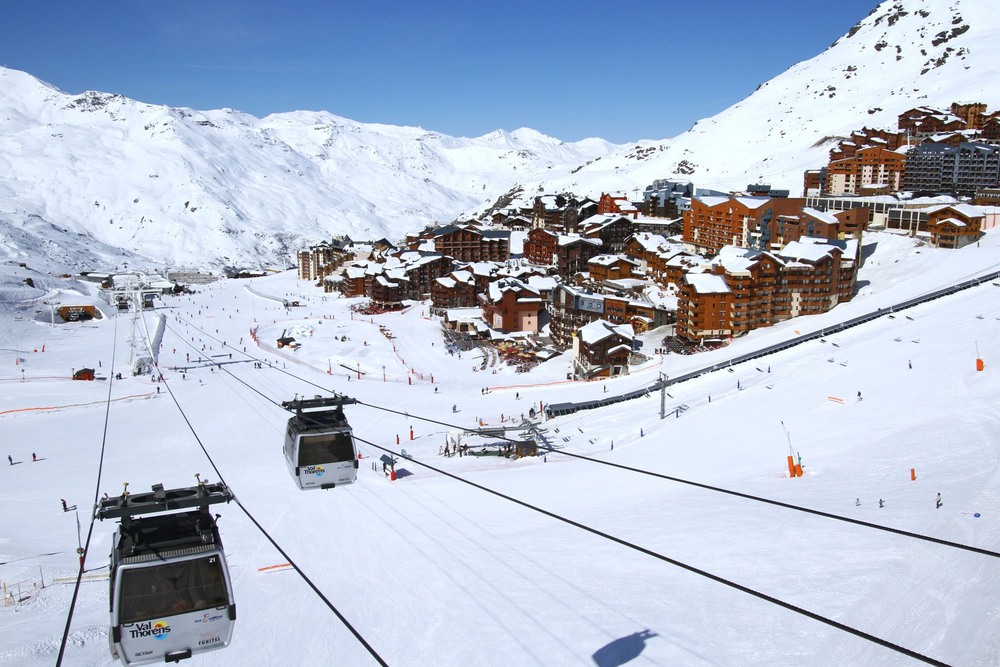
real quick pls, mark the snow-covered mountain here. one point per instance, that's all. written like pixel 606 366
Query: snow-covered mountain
pixel 207 188
pixel 215 187
pixel 906 53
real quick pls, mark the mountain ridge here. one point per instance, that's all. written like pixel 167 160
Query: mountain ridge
pixel 216 187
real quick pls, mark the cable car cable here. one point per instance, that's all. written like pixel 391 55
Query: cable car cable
pixel 717 489
pixel 740 587
pixel 97 495
pixel 690 568
pixel 270 539
pixel 680 480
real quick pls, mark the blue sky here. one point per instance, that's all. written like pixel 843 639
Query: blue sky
pixel 638 69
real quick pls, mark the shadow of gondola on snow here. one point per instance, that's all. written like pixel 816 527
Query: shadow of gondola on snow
pixel 622 650
pixel 403 472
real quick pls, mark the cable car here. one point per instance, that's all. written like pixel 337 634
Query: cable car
pixel 171 597
pixel 319 444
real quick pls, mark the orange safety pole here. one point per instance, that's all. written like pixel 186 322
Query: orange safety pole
pixel 798 470
pixel 791 466
pixel 913 474
pixel 980 365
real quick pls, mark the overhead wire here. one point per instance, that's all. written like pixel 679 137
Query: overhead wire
pixel 673 561
pixel 97 495
pixel 622 542
pixel 658 475
pixel 343 619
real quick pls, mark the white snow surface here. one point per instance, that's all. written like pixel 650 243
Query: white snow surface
pixel 434 571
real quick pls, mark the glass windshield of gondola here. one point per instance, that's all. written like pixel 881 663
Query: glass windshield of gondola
pixel 326 448
pixel 155 591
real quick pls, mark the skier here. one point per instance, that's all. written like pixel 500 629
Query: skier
pixel 857 501
pixel 938 503
pixel 454 408
pixel 63 501
pixel 33 457
pixel 10 459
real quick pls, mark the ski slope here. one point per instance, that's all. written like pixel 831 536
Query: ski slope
pixel 433 571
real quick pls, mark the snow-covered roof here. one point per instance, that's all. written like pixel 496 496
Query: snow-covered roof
pixel 736 259
pixel 751 203
pixel 543 283
pixel 649 241
pixel 706 283
pixel 822 216
pixel 608 260
pixel 569 239
pixel 955 222
pixel 355 272
pixel 600 329
pixel 968 210
pixel 806 251
pixel 463 314
pixel 497 288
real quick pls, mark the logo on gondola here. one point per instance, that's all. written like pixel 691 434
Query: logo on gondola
pixel 208 618
pixel 314 470
pixel 158 630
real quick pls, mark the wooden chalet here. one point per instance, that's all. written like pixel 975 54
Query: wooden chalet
pixel 611 267
pixel 602 349
pixel 510 305
pixel 469 244
pixel 540 246
pixel 613 229
pixel 573 253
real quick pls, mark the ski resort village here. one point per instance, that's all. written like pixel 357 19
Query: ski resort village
pixel 567 272
pixel 304 390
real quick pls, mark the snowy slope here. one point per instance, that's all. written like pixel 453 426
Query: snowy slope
pixel 906 53
pixel 435 572
pixel 207 188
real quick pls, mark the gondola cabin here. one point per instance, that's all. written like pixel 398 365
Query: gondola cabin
pixel 171 596
pixel 319 444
